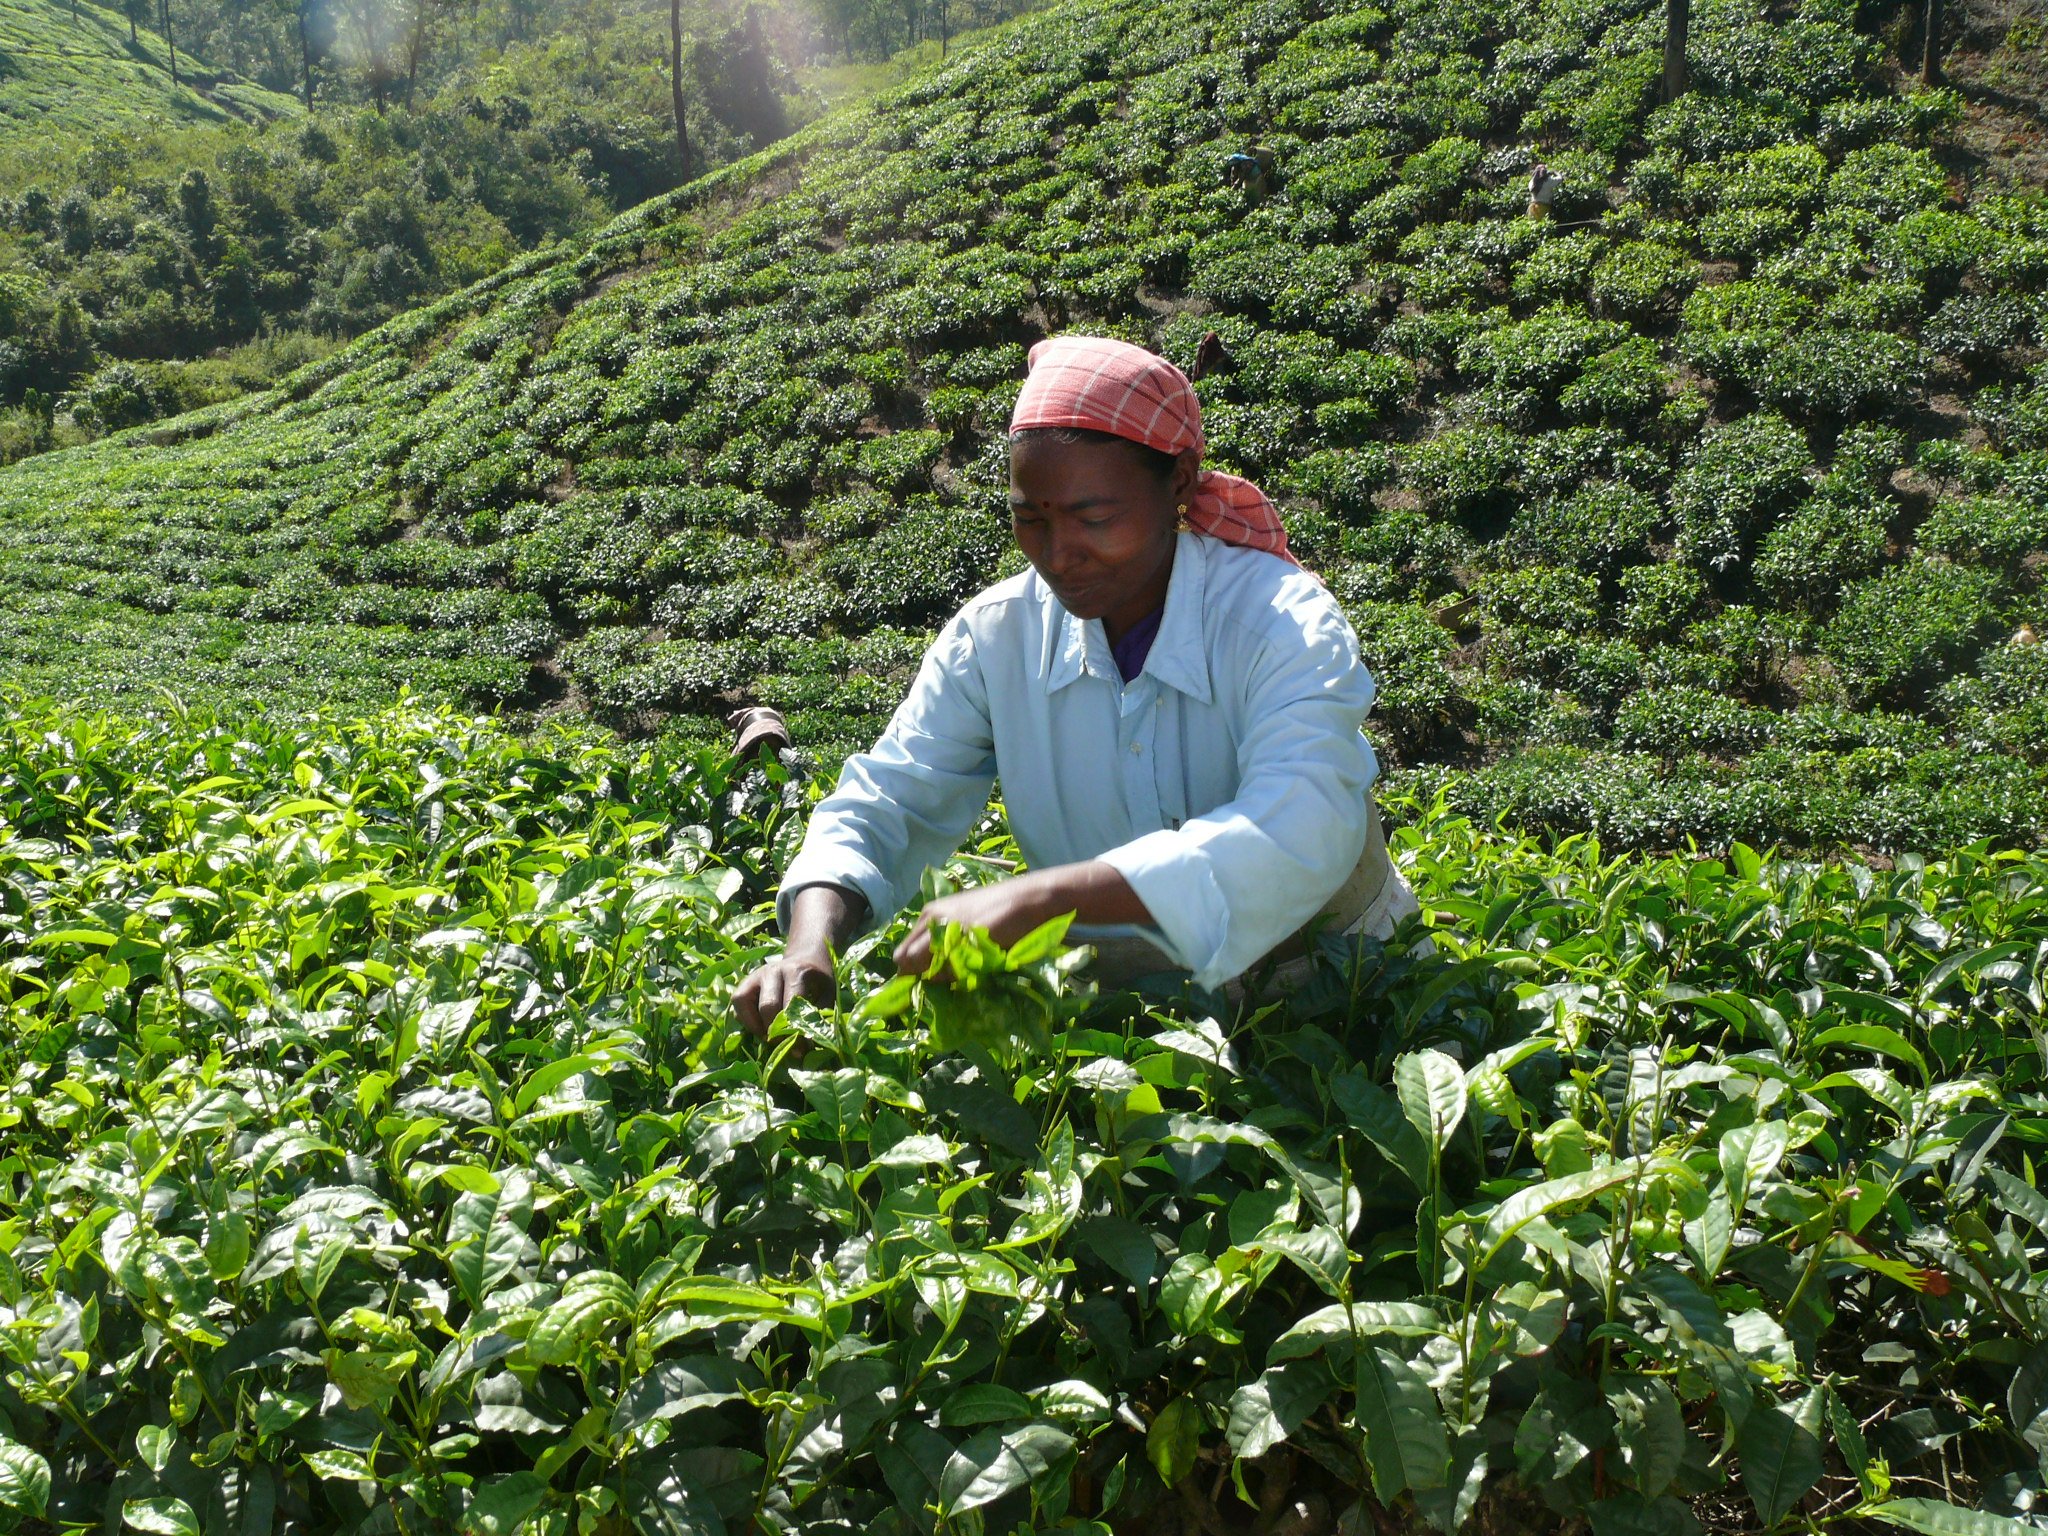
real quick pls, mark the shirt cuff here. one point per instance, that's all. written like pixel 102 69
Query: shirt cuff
pixel 1180 891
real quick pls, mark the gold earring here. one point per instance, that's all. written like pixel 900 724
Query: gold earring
pixel 1181 517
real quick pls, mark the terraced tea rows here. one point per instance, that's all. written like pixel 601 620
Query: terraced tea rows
pixel 1702 507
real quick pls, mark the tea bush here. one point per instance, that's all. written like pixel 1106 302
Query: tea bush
pixel 2004 703
pixel 1996 530
pixel 385 1152
pixel 1833 539
pixel 1659 601
pixel 767 407
pixel 1898 634
pixel 1735 486
pixel 1679 722
pixel 1642 279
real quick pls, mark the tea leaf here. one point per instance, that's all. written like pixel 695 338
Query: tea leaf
pixel 1781 1457
pixel 1173 1438
pixel 676 1387
pixel 1405 1443
pixel 996 1462
pixel 1432 1091
pixel 24 1480
pixel 1265 1412
pixel 592 1305
pixel 1933 1517
pixel 160 1517
pixel 1375 1112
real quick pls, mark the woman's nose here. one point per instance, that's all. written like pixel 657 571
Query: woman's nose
pixel 1062 550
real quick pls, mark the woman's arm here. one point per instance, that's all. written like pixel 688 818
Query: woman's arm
pixel 823 918
pixel 905 803
pixel 1226 886
pixel 898 807
pixel 1093 891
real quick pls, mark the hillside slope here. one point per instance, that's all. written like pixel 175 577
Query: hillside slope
pixel 79 71
pixel 1702 507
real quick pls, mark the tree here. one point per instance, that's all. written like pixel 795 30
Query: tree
pixel 1677 23
pixel 370 23
pixel 675 83
pixel 415 46
pixel 316 37
pixel 1930 46
pixel 134 10
pixel 197 213
pixel 306 50
pixel 164 16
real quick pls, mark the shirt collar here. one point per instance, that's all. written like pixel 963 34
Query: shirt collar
pixel 1178 659
pixel 1180 656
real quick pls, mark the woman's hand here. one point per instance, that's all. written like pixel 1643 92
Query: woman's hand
pixel 760 999
pixel 1094 892
pixel 822 918
pixel 1008 909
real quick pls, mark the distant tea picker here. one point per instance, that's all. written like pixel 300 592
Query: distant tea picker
pixel 1173 706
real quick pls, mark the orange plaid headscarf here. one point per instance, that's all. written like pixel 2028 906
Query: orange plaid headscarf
pixel 1111 386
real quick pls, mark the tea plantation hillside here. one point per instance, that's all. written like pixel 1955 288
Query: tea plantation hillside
pixel 1705 506
pixel 69 66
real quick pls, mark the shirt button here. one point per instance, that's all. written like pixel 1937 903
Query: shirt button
pixel 1137 747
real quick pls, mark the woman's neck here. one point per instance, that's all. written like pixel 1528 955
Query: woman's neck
pixel 1143 602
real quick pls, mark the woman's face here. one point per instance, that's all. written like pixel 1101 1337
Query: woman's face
pixel 1097 525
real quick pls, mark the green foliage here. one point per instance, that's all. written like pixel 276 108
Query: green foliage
pixel 2004 703
pixel 1834 538
pixel 1464 474
pixel 385 1136
pixel 1901 633
pixel 1442 167
pixel 175 241
pixel 1538 354
pixel 746 439
pixel 73 69
pixel 1997 531
pixel 1626 385
pixel 1735 486
pixel 1890 180
pixel 1658 601
pixel 1533 617
pixel 1406 647
pixel 1598 529
pixel 1766 339
pixel 1681 722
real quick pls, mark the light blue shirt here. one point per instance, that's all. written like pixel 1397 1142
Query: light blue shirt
pixel 1226 782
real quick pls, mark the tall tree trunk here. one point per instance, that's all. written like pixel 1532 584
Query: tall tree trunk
pixel 417 47
pixel 1677 23
pixel 306 53
pixel 164 10
pixel 944 30
pixel 675 83
pixel 1930 46
pixel 133 41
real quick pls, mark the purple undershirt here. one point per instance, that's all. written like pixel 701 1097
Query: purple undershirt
pixel 1131 651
